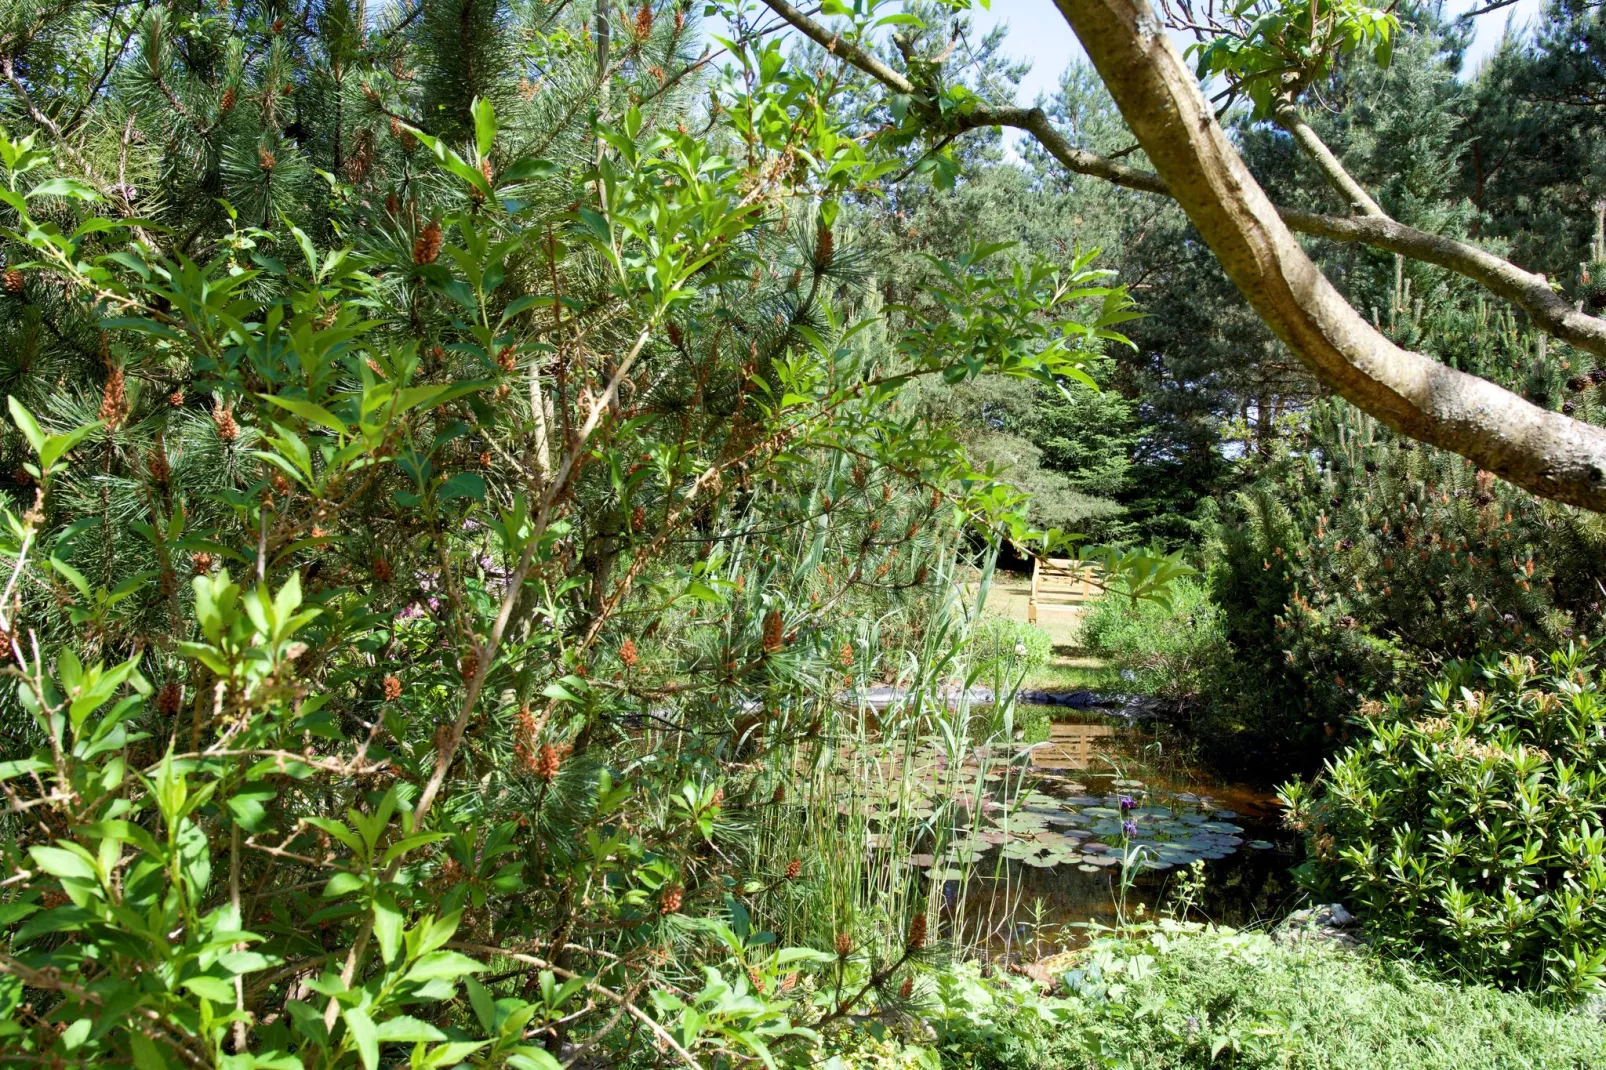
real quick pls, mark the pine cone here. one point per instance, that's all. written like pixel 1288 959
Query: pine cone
pixel 12 280
pixel 1578 383
pixel 644 22
pixel 170 699
pixel 156 464
pixel 393 688
pixel 266 160
pixel 547 765
pixel 381 570
pixel 779 796
pixel 201 562
pixel 427 246
pixel 844 945
pixel 226 105
pixel 670 902
pixel 906 989
pixel 223 420
pixel 917 932
pixel 824 247
pixel 793 868
pixel 627 653
pixel 114 399
pixel 774 628
pixel 469 665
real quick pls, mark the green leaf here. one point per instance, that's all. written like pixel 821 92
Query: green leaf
pixel 463 485
pixel 407 1030
pixel 27 424
pixel 213 988
pixel 484 126
pixel 527 168
pixel 64 187
pixel 62 863
pixel 442 965
pixel 313 414
pixel 364 1035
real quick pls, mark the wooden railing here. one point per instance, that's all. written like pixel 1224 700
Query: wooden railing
pixel 1076 581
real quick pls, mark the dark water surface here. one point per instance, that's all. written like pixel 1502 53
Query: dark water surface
pixel 1034 899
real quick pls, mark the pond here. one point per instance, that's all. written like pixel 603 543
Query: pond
pixel 1100 790
pixel 1034 845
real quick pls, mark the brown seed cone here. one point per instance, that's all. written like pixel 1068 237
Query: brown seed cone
pixel 917 932
pixel 627 653
pixel 793 868
pixel 774 631
pixel 156 463
pixel 824 248
pixel 230 96
pixel 381 570
pixel 393 689
pixel 176 398
pixel 170 699
pixel 675 334
pixel 114 399
pixel 844 945
pixel 906 989
pixel 920 575
pixel 201 562
pixel 12 281
pixel 644 22
pixel 266 160
pixel 427 246
pixel 469 665
pixel 223 420
pixel 5 646
pixel 547 763
pixel 670 901
pixel 780 794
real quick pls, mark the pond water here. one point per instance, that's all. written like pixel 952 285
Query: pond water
pixel 1101 789
pixel 1030 845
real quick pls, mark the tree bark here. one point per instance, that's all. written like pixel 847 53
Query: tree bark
pixel 1541 451
pixel 1527 290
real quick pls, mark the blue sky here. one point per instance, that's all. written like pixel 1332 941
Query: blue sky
pixel 1038 33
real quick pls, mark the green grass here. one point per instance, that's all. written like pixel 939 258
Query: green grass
pixel 1178 1001
pixel 1061 677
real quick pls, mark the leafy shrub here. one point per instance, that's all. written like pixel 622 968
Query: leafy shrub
pixel 1008 649
pixel 1169 650
pixel 1469 828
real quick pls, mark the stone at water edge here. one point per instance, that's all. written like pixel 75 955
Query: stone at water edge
pixel 1326 923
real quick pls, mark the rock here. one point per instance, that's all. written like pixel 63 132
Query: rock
pixel 1325 923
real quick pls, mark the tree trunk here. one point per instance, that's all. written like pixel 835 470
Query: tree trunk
pixel 1541 451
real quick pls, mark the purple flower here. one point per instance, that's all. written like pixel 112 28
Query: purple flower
pixel 1127 803
pixel 1129 828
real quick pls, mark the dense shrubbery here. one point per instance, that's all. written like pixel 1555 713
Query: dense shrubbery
pixel 1172 650
pixel 1468 828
